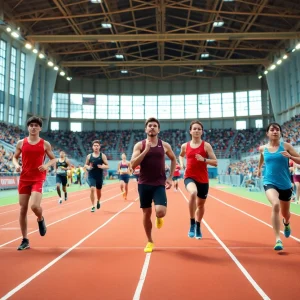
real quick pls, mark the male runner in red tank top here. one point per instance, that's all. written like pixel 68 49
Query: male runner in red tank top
pixel 33 174
pixel 152 185
pixel 198 154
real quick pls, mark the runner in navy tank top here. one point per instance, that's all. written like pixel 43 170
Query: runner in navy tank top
pixel 198 154
pixel 277 183
pixel 124 170
pixel 33 173
pixel 150 155
pixel 95 163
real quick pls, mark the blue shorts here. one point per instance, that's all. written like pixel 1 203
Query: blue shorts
pixel 125 177
pixel 202 188
pixel 95 182
pixel 61 179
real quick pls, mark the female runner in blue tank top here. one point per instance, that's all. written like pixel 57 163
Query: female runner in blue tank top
pixel 276 180
pixel 124 170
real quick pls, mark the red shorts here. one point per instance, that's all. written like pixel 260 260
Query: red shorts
pixel 27 187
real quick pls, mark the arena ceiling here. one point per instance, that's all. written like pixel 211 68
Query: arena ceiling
pixel 159 39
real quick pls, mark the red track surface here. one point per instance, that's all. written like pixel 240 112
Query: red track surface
pixel 100 255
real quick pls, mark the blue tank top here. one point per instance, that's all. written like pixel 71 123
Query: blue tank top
pixel 277 169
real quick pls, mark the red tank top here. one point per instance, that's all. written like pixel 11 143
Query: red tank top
pixel 177 171
pixel 195 169
pixel 153 165
pixel 33 156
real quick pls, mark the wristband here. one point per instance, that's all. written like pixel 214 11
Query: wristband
pixel 204 160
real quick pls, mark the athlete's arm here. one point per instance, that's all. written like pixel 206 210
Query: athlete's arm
pixel 291 153
pixel 69 164
pixel 119 169
pixel 212 160
pixel 137 155
pixel 130 170
pixel 169 152
pixel 50 154
pixel 87 162
pixel 261 161
pixel 16 156
pixel 105 162
pixel 181 155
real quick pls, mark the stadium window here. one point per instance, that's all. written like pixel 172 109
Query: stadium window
pixel 215 105
pixel 150 106
pixel 2 64
pixel 22 87
pixel 39 90
pixel 54 125
pixel 203 106
pixel 113 107
pixel 259 123
pixel 138 107
pixel 13 69
pixel 11 114
pixel 1 111
pixel 88 106
pixel 126 107
pixel 76 106
pixel 190 108
pixel 164 107
pixel 228 104
pixel 255 105
pixel 75 126
pixel 241 101
pixel 101 106
pixel 177 107
pixel 59 105
pixel 240 125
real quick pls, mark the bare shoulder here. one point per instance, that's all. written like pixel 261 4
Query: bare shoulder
pixel 287 145
pixel 207 145
pixel 138 145
pixel 47 144
pixel 262 148
pixel 183 146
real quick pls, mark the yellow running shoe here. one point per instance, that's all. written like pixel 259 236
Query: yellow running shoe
pixel 149 247
pixel 159 222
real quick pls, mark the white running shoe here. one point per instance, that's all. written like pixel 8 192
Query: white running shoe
pixel 59 201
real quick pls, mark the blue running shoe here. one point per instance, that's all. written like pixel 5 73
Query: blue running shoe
pixel 198 233
pixel 278 246
pixel 192 231
pixel 287 229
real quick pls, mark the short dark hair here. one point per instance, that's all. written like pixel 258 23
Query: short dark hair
pixel 35 119
pixel 152 119
pixel 274 124
pixel 96 142
pixel 196 122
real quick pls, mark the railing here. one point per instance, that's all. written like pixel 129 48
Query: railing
pixel 239 181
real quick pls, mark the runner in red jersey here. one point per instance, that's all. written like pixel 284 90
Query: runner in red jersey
pixel 176 176
pixel 198 154
pixel 150 155
pixel 33 150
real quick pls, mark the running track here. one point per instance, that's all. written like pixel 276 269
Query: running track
pixel 100 255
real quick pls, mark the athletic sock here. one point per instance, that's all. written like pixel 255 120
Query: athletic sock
pixel 198 224
pixel 192 221
pixel 66 195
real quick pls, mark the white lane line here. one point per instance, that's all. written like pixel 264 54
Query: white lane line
pixel 236 261
pixel 255 201
pixel 45 268
pixel 245 213
pixel 60 220
pixel 139 287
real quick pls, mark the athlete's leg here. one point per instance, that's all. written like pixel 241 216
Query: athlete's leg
pixel 297 184
pixel 23 201
pixel 36 199
pixel 92 195
pixel 148 223
pixel 192 189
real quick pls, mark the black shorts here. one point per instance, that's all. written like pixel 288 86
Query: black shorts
pixel 202 188
pixel 61 180
pixel 148 193
pixel 284 195
pixel 175 178
pixel 125 177
pixel 136 177
pixel 95 182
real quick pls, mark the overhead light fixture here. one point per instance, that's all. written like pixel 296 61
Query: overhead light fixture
pixel 205 55
pixel 69 78
pixel 294 50
pixel 218 23
pixel 8 29
pixel 279 61
pixel 105 25
pixel 62 73
pixel 210 41
pixel 28 46
pixel 272 67
pixel 298 46
pixel 266 72
pixel 284 56
pixel 35 51
pixel 96 1
pixel 50 63
pixel 200 70
pixel 119 56
pixel 56 68
pixel 41 56
pixel 15 34
pixel 228 0
pixel 124 71
pixel 259 76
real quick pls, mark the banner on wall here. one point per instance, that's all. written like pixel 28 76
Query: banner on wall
pixel 9 181
pixel 88 101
